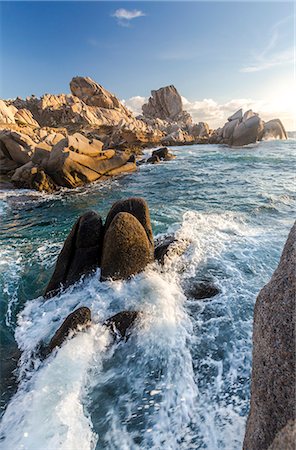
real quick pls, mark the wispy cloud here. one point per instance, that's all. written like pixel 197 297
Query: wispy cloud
pixel 125 16
pixel 271 55
pixel 278 59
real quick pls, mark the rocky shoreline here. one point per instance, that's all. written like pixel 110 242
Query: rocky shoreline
pixel 71 140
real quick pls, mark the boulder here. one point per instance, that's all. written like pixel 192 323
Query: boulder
pixel 16 147
pixel 125 168
pixel 7 113
pixel 25 117
pixel 154 159
pixel 202 290
pixel 163 154
pixel 80 254
pixel 70 169
pixel 93 94
pixel 138 208
pixel 247 132
pixel 274 129
pixel 29 176
pixel 273 368
pixel 166 103
pixel 238 115
pixel 121 324
pixel 200 129
pixel 76 321
pixel 126 249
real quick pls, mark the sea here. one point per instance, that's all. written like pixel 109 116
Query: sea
pixel 182 379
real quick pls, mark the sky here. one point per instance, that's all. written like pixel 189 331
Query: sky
pixel 220 55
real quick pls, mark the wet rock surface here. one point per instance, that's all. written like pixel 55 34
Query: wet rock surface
pixel 202 290
pixel 120 324
pixel 77 320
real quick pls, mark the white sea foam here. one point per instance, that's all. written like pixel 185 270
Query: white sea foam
pixel 151 381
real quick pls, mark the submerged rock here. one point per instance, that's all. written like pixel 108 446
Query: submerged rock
pixel 203 290
pixel 126 249
pixel 80 254
pixel 78 319
pixel 122 323
pixel 273 386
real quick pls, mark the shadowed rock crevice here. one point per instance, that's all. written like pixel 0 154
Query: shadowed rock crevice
pixel 80 254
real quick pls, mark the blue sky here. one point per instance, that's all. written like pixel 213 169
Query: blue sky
pixel 220 52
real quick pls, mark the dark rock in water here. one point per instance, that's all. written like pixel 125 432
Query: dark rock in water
pixel 162 248
pixel 203 290
pixel 154 159
pixel 79 318
pixel 9 357
pixel 169 246
pixel 122 322
pixel 273 385
pixel 163 154
pixel 80 254
pixel 138 208
pixel 286 438
pixel 126 249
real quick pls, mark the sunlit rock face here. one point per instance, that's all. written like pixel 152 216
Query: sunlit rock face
pixel 166 103
pixel 248 128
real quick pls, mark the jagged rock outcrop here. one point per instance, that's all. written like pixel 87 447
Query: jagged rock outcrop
pixel 274 129
pixel 7 113
pixel 248 128
pixel 80 254
pixel 25 117
pixel 16 149
pixel 126 248
pixel 166 103
pixel 273 386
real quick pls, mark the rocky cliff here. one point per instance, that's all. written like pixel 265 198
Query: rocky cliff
pixel 273 369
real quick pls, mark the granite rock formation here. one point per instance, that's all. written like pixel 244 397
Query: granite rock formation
pixel 126 249
pixel 248 128
pixel 80 254
pixel 273 369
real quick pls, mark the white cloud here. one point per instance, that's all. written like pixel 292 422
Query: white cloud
pixel 135 104
pixel 124 16
pixel 216 114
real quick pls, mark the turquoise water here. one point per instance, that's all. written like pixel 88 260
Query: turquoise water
pixel 182 380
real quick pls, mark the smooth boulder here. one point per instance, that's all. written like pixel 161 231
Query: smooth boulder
pixel 136 206
pixel 203 290
pixel 126 248
pixel 80 254
pixel 273 367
